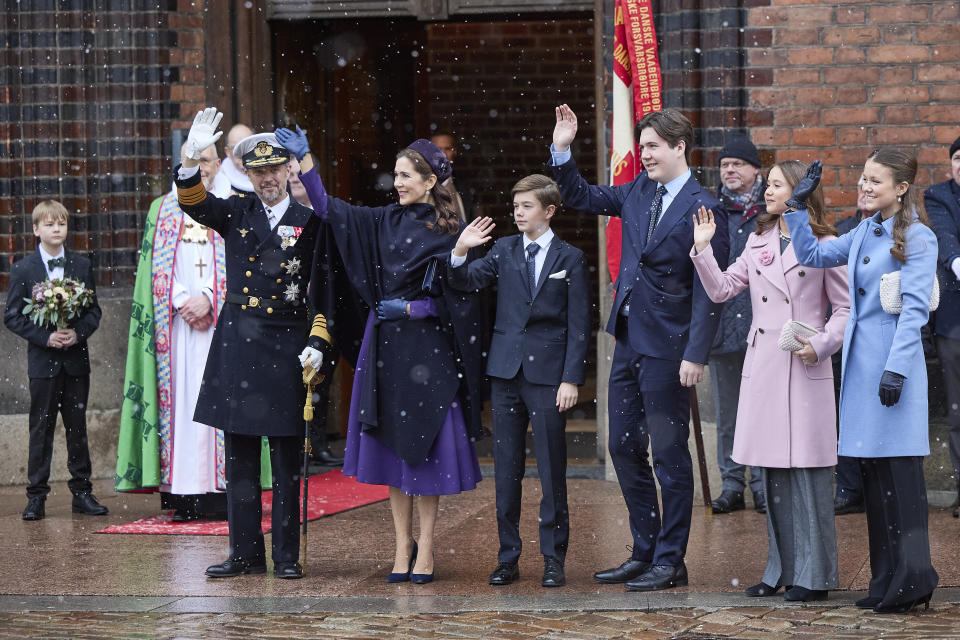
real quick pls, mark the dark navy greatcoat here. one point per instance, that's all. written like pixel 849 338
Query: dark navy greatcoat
pixel 253 384
pixel 943 206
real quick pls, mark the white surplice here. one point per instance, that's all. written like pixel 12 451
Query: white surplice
pixel 194 468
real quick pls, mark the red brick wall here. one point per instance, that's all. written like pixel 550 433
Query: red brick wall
pixel 88 97
pixel 848 77
pixel 495 84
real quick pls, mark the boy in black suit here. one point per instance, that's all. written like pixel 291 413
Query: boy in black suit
pixel 537 358
pixel 58 363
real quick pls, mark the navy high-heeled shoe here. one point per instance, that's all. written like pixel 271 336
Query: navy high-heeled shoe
pixel 421 578
pixel 405 577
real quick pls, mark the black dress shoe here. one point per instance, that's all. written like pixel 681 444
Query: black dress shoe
pixel 624 573
pixel 35 509
pixel 956 512
pixel 287 570
pixel 326 458
pixel 760 503
pixel 903 607
pixel 231 568
pixel 869 602
pixel 553 573
pixel 185 515
pixel 659 577
pixel 761 590
pixel 802 594
pixel 728 501
pixel 505 573
pixel 86 504
pixel 843 506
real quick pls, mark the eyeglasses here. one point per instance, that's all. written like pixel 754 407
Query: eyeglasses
pixel 733 164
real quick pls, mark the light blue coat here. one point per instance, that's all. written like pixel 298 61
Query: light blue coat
pixel 875 340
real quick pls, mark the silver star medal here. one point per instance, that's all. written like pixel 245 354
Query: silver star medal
pixel 293 266
pixel 291 292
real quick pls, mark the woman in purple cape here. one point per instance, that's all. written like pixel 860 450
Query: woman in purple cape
pixel 415 407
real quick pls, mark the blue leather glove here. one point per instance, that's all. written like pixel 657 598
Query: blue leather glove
pixel 891 385
pixel 807 185
pixel 295 143
pixel 395 309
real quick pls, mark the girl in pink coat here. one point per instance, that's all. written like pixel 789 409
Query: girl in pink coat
pixel 786 418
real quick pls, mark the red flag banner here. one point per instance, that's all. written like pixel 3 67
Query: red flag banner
pixel 636 92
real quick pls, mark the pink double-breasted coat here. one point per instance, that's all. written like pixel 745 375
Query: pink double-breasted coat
pixel 786 416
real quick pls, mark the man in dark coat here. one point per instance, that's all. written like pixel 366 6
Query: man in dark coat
pixel 664 324
pixel 943 206
pixel 252 384
pixel 741 191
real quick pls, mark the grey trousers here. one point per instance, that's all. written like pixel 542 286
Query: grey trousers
pixel 725 372
pixel 803 540
pixel 949 351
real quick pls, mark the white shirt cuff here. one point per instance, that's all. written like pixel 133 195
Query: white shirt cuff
pixel 455 260
pixel 560 157
pixel 183 173
pixel 955 267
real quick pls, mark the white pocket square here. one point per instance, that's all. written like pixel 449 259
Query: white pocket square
pixel 558 275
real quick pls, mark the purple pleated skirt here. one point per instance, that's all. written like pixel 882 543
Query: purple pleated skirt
pixel 451 465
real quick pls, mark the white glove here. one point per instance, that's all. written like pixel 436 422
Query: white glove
pixel 203 132
pixel 955 267
pixel 311 356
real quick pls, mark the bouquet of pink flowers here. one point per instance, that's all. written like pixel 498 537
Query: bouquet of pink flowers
pixel 57 302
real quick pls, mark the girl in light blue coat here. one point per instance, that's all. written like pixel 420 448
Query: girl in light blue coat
pixel 883 398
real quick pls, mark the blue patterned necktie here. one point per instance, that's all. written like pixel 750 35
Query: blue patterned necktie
pixel 532 250
pixel 656 208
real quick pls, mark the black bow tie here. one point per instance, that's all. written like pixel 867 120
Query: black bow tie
pixel 53 263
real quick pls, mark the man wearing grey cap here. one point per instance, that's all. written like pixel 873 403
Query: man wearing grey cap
pixel 252 384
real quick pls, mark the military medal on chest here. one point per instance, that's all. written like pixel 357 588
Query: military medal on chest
pixel 288 235
pixel 292 267
pixel 194 232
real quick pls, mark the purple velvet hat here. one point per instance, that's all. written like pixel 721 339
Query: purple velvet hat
pixel 434 157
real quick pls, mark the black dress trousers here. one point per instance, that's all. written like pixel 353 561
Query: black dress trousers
pixel 895 496
pixel 66 395
pixel 244 510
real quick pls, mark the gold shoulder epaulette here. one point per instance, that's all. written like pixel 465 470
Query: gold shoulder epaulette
pixel 320 328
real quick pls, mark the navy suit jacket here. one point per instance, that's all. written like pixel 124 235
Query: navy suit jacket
pixel 943 206
pixel 670 316
pixel 44 361
pixel 544 332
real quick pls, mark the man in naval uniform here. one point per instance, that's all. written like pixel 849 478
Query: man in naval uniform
pixel 252 384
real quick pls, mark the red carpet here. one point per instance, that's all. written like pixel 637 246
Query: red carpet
pixel 330 493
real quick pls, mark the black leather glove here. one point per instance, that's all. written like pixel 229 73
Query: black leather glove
pixel 808 183
pixel 891 385
pixel 395 309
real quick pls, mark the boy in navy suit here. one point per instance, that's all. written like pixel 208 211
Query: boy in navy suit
pixel 58 364
pixel 537 358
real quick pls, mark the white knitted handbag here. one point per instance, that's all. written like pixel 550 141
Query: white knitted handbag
pixel 892 301
pixel 791 329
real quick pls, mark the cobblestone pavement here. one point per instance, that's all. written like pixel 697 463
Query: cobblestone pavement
pixel 941 621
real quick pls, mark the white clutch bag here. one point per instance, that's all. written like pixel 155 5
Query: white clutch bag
pixel 892 301
pixel 791 329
